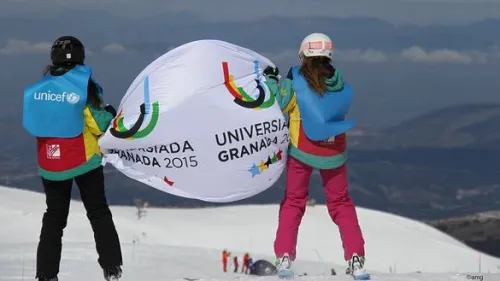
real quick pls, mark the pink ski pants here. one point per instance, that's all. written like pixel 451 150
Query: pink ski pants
pixel 340 208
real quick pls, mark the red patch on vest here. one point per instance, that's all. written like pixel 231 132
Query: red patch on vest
pixel 58 155
pixel 321 148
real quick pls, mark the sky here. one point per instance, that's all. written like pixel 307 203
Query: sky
pixel 403 57
pixel 396 11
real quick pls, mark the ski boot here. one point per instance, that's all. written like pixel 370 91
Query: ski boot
pixel 112 273
pixel 356 268
pixel 283 266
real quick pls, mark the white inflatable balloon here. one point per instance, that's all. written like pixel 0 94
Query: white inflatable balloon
pixel 199 122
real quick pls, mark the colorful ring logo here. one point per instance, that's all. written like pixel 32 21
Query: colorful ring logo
pixel 119 130
pixel 241 97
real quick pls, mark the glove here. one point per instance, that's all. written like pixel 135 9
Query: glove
pixel 109 108
pixel 272 72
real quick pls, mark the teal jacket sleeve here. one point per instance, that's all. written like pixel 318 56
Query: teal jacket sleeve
pixel 284 94
pixel 272 84
pixel 101 118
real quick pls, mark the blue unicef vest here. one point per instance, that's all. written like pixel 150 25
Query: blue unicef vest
pixel 53 107
pixel 322 117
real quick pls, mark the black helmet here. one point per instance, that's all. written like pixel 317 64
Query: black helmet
pixel 67 50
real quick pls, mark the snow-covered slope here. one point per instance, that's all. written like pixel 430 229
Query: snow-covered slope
pixel 174 243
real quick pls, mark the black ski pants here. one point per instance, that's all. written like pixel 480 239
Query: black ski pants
pixel 58 196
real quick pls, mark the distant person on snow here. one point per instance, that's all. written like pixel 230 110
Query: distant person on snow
pixel 245 267
pixel 225 257
pixel 250 263
pixel 236 265
pixel 65 112
pixel 312 93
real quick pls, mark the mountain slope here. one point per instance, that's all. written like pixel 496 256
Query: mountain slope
pixel 481 230
pixel 390 240
pixel 464 126
pixel 417 183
